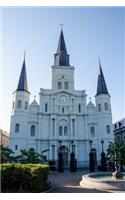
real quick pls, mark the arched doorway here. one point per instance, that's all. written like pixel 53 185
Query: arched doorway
pixel 64 151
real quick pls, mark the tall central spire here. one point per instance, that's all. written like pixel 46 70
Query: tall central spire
pixel 22 85
pixel 61 57
pixel 101 86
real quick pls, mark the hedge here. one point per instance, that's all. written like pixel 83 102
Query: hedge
pixel 24 177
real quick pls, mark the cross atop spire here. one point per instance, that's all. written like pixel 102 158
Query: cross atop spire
pixel 61 57
pixel 61 26
pixel 101 85
pixel 22 85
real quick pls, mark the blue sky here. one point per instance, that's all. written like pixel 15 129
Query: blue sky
pixel 89 33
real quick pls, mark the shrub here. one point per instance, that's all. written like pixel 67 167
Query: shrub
pixel 24 177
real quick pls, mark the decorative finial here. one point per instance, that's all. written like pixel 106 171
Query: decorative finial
pixel 61 26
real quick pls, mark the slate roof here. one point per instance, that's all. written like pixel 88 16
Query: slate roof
pixel 61 57
pixel 22 85
pixel 101 85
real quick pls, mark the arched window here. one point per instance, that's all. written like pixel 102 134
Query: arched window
pixel 26 105
pixel 73 127
pixel 66 85
pixel 108 129
pixel 60 130
pixel 99 107
pixel 53 127
pixel 79 108
pixel 65 131
pixel 19 103
pixel 59 85
pixel 16 147
pixel 53 104
pixel 46 107
pixel 120 124
pixel 106 106
pixel 115 126
pixel 32 130
pixel 92 131
pixel 17 128
pixel 72 105
pixel 63 110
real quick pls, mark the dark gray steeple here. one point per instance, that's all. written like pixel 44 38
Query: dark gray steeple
pixel 101 85
pixel 61 57
pixel 22 85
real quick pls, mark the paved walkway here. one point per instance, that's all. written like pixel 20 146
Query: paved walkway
pixel 68 182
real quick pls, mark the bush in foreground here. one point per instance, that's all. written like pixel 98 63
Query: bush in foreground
pixel 24 177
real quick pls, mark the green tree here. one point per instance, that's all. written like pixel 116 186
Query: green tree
pixel 116 152
pixel 30 156
pixel 6 154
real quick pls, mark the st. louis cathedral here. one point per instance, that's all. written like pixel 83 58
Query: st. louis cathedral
pixel 61 119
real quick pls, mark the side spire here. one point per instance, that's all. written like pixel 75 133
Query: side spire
pixel 61 57
pixel 22 84
pixel 101 85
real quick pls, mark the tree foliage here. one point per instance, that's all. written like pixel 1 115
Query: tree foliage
pixel 116 151
pixel 26 156
pixel 30 156
pixel 6 154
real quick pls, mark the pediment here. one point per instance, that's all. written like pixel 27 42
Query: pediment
pixel 63 92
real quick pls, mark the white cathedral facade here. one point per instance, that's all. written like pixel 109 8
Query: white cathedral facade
pixel 62 119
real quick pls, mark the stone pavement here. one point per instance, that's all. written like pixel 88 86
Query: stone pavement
pixel 68 182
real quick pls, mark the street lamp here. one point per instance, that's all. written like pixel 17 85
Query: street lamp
pixel 60 142
pixel 103 158
pixel 102 142
pixel 72 142
pixel 91 159
pixel 90 142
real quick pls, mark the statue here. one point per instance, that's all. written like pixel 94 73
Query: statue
pixel 117 174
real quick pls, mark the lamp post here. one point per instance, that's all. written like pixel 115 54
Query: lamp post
pixel 91 158
pixel 102 142
pixel 103 158
pixel 60 142
pixel 72 142
pixel 90 142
